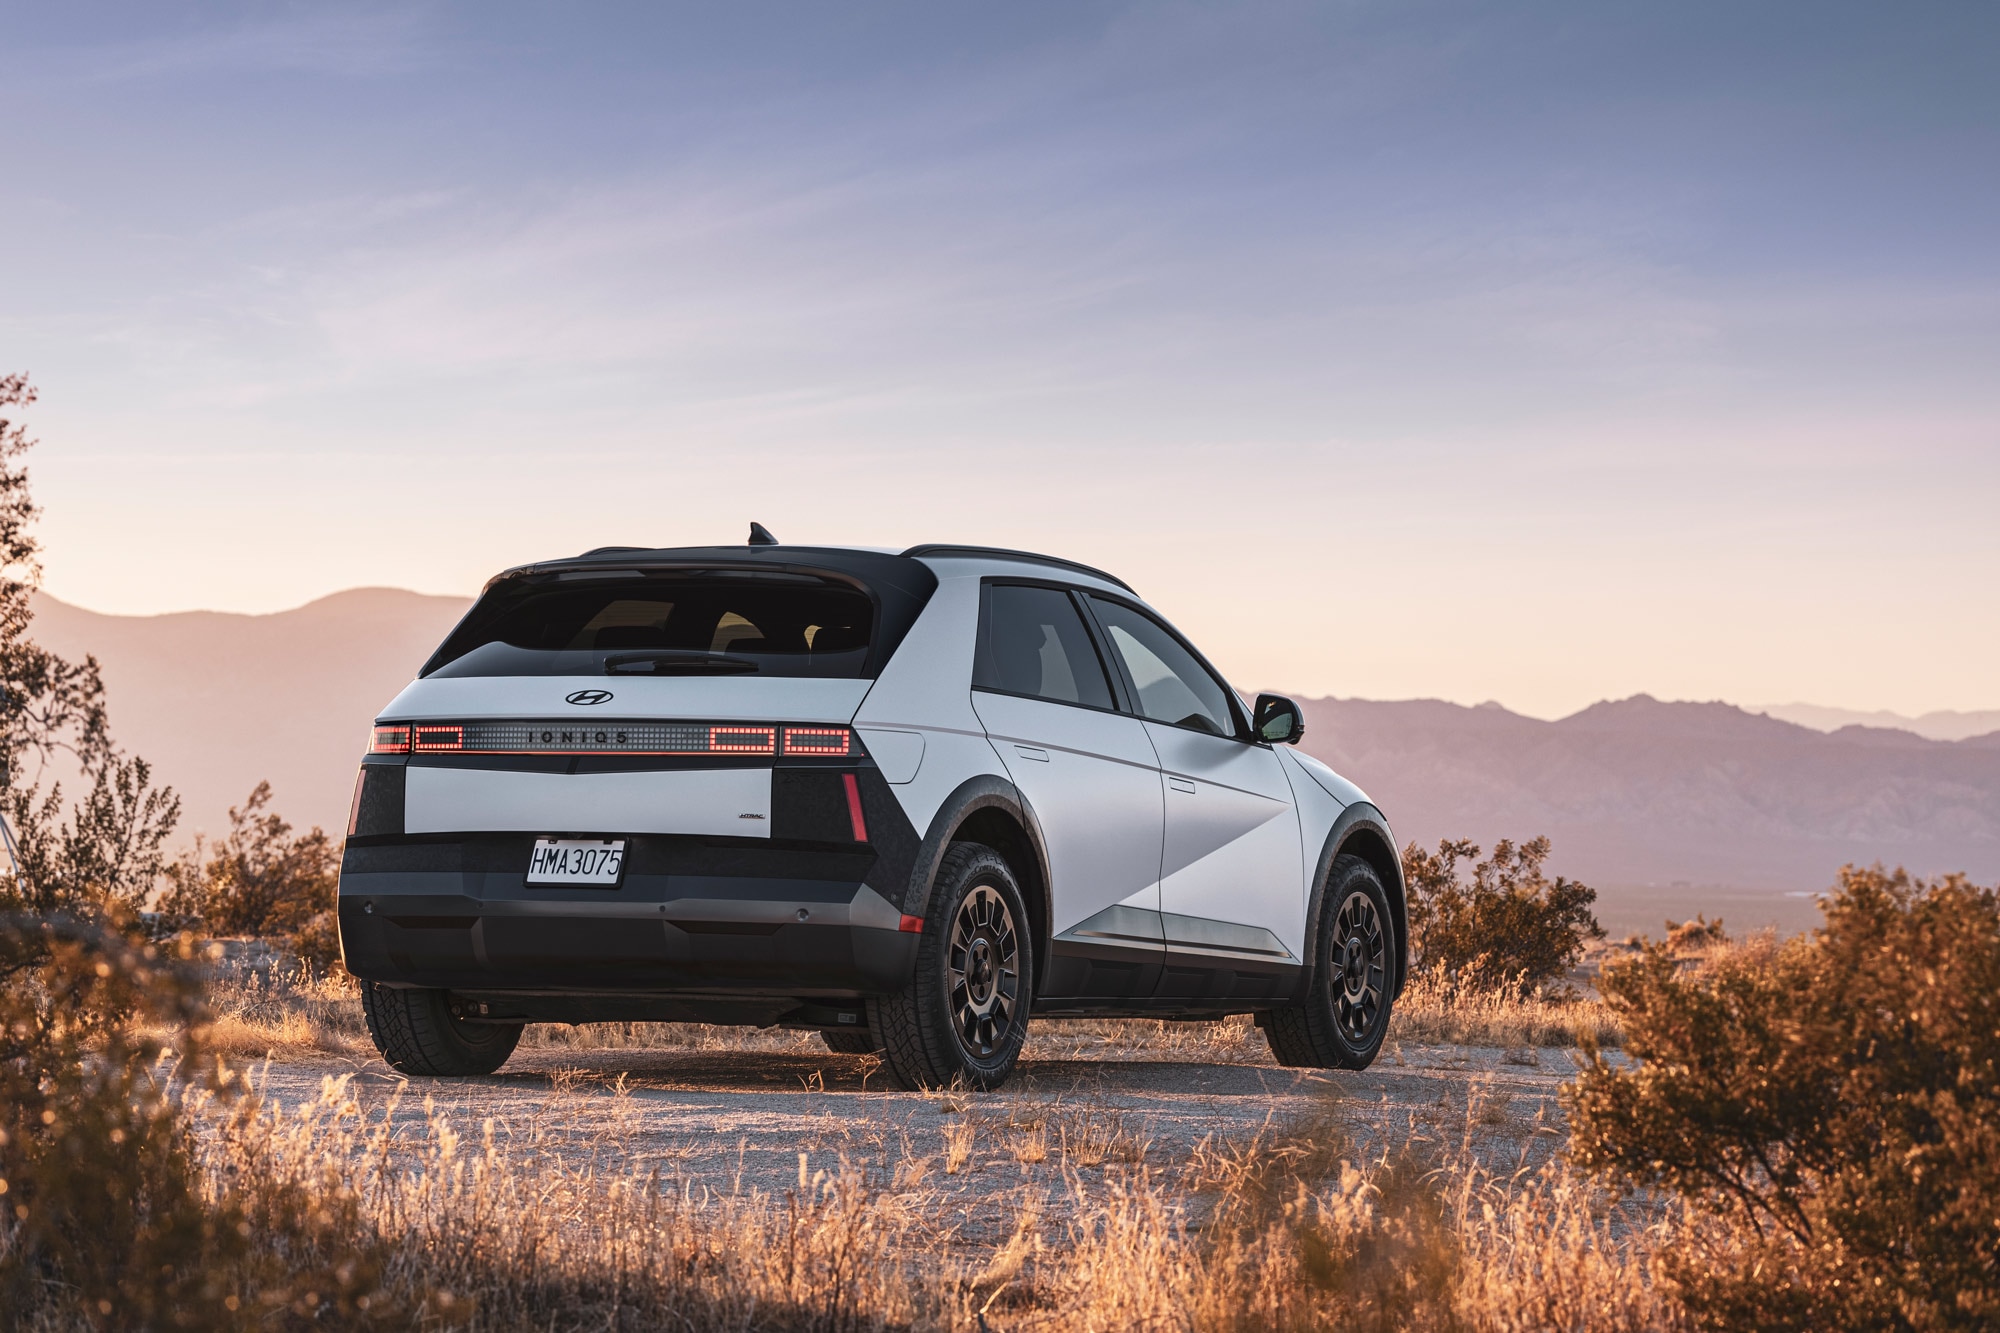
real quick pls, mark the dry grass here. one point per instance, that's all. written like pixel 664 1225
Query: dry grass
pixel 288 1010
pixel 1432 1013
pixel 285 1010
pixel 521 1226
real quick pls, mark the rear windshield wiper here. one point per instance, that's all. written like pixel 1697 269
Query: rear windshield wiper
pixel 684 663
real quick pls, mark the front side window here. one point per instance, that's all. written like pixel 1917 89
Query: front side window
pixel 1174 687
pixel 1032 642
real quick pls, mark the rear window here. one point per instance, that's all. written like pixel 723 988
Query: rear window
pixel 651 626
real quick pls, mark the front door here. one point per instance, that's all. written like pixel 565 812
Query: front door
pixel 1091 777
pixel 1232 888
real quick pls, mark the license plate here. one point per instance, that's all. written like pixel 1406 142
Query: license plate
pixel 575 861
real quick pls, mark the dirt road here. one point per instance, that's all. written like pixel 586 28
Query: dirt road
pixel 741 1119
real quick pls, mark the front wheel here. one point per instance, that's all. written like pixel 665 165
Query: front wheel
pixel 1345 1015
pixel 965 1013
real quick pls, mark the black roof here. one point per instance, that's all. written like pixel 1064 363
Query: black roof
pixel 868 565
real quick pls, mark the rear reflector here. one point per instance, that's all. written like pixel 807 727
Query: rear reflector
pixel 389 740
pixel 911 925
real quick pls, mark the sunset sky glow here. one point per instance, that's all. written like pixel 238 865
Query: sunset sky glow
pixel 1539 353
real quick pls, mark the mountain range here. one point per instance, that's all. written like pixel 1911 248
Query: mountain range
pixel 1643 792
pixel 217 701
pixel 1665 806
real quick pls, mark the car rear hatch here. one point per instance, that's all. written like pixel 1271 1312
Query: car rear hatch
pixel 638 771
pixel 649 695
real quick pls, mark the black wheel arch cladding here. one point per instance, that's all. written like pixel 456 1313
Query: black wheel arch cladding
pixel 1362 831
pixel 991 810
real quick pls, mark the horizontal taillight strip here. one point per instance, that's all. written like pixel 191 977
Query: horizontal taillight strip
pixel 689 738
pixel 822 741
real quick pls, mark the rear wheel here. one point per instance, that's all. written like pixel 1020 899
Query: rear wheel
pixel 965 1014
pixel 849 1041
pixel 1341 1023
pixel 418 1034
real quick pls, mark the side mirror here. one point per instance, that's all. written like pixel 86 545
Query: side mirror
pixel 1278 720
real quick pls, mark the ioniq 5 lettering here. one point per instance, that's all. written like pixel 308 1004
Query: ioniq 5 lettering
pixel 909 799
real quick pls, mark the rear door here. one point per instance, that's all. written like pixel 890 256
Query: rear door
pixel 1232 891
pixel 1044 695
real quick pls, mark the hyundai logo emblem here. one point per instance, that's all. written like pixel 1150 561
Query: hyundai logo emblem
pixel 588 697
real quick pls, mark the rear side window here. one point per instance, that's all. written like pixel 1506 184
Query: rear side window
pixel 1032 642
pixel 651 626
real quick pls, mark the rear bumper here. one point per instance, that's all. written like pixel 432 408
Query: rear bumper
pixel 714 923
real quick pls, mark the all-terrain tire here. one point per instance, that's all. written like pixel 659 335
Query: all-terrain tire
pixel 418 1034
pixel 962 1019
pixel 850 1041
pixel 1345 1014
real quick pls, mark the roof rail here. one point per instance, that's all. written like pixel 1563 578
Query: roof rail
pixel 946 548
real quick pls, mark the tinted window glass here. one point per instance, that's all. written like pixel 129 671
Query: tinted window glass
pixel 653 626
pixel 1032 641
pixel 1173 686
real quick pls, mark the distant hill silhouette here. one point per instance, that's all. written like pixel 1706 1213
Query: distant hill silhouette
pixel 217 701
pixel 1642 792
pixel 1942 725
pixel 1634 793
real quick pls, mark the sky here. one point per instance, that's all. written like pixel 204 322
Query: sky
pixel 1540 353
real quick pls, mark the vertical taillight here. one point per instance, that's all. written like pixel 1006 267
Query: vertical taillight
pixel 854 816
pixel 389 739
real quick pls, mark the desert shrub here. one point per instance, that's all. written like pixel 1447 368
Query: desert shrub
pixel 317 941
pixel 260 879
pixel 108 846
pixel 1696 934
pixel 105 1218
pixel 1829 1105
pixel 1509 928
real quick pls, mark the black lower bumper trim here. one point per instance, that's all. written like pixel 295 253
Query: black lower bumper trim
pixel 656 935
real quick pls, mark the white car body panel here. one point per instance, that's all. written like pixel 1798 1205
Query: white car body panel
pixel 729 802
pixel 951 758
pixel 1093 782
pixel 1317 812
pixel 1232 836
pixel 915 695
pixel 1334 785
pixel 899 754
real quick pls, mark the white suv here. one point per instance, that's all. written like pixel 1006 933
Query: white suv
pixel 907 799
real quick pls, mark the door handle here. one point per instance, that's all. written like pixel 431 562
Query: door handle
pixel 1030 752
pixel 1181 784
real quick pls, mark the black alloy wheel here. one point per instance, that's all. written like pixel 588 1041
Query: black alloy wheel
pixel 1344 1015
pixel 983 970
pixel 964 1015
pixel 1360 958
